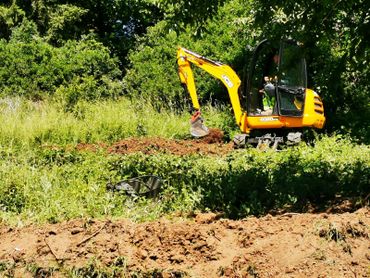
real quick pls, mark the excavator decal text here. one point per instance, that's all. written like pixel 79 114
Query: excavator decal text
pixel 268 119
pixel 227 80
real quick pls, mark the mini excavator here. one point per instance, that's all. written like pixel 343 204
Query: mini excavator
pixel 274 105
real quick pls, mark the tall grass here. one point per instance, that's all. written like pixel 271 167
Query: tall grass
pixel 39 183
pixel 52 185
pixel 25 123
pixel 56 185
pixel 28 124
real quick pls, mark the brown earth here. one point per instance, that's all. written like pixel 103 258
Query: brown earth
pixel 203 245
pixel 211 144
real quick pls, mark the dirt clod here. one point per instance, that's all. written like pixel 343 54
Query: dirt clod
pixel 206 217
pixel 215 136
pixel 75 231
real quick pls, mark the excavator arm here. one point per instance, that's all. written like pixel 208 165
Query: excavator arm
pixel 218 70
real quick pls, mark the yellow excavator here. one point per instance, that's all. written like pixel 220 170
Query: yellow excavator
pixel 274 105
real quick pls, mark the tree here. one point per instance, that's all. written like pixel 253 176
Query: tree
pixel 10 16
pixel 33 68
pixel 153 71
pixel 182 13
pixel 336 35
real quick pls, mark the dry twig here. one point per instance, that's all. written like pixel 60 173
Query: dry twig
pixel 51 250
pixel 93 235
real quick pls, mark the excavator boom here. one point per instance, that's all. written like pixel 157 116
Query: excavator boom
pixel 220 71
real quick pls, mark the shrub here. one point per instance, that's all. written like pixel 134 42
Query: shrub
pixel 32 68
pixel 249 181
pixel 153 71
pixel 51 184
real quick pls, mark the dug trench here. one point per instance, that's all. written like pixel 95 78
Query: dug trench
pixel 198 245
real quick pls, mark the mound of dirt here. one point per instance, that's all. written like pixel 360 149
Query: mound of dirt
pixel 211 144
pixel 214 136
pixel 288 245
pixel 160 145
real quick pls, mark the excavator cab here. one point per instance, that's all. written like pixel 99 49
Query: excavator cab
pixel 277 80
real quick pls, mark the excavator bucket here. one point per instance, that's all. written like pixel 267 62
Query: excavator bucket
pixel 197 127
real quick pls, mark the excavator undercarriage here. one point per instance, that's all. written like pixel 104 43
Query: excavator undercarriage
pixel 268 140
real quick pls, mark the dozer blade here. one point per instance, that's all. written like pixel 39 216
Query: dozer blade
pixel 197 127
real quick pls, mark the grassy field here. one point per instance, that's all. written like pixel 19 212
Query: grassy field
pixel 26 123
pixel 44 178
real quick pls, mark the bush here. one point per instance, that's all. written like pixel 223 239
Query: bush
pixel 32 68
pixel 153 71
pixel 252 182
pixel 54 184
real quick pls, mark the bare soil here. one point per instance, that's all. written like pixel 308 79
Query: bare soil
pixel 203 245
pixel 212 144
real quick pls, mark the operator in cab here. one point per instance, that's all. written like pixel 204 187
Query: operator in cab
pixel 268 91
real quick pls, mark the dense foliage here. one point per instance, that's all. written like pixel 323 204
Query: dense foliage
pixel 143 35
pixel 31 67
pixel 52 184
pixel 249 181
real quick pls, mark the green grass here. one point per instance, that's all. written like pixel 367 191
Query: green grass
pixel 56 185
pixel 26 124
pixel 39 183
pixel 45 185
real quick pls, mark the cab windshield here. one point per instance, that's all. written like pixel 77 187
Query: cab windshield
pixel 292 67
pixel 292 80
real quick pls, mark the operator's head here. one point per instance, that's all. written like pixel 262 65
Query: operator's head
pixel 276 58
